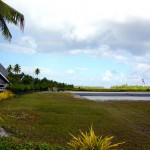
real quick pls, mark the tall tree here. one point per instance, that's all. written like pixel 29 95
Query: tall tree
pixel 9 69
pixel 37 71
pixel 17 69
pixel 9 15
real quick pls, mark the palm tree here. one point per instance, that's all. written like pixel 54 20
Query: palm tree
pixel 17 69
pixel 9 15
pixel 9 69
pixel 37 71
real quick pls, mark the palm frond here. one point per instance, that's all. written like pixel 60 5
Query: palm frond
pixel 11 15
pixel 4 30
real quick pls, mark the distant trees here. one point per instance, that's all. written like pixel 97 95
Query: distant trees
pixel 9 15
pixel 9 69
pixel 37 71
pixel 17 69
pixel 22 83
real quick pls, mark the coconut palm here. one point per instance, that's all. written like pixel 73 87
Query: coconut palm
pixel 37 71
pixel 9 69
pixel 9 15
pixel 17 69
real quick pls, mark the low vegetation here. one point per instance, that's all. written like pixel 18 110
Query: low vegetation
pixel 6 95
pixel 117 88
pixel 47 117
pixel 22 83
pixel 10 143
pixel 126 87
pixel 89 141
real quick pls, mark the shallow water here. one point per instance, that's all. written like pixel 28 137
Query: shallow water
pixel 103 96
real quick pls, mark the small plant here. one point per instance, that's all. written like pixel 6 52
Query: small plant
pixel 89 141
pixel 6 95
pixel 11 143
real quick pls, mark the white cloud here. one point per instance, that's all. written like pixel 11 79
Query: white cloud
pixel 81 69
pixel 103 51
pixel 117 30
pixel 29 42
pixel 89 26
pixel 76 70
pixel 17 48
pixel 107 76
pixel 143 67
pixel 44 72
pixel 49 14
pixel 70 71
pixel 25 45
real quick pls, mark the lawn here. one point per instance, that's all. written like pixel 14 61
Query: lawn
pixel 50 117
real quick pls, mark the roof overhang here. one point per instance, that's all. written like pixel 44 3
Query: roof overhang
pixel 4 78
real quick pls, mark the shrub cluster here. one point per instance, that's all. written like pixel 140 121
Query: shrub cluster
pixel 117 88
pixel 22 88
pixel 6 95
pixel 85 141
pixel 21 83
pixel 10 143
pixel 126 87
pixel 89 141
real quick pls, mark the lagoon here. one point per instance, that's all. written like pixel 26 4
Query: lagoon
pixel 103 96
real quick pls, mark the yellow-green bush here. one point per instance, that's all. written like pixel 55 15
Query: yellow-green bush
pixel 6 95
pixel 89 141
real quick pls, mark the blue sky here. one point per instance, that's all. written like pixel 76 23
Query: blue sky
pixel 89 43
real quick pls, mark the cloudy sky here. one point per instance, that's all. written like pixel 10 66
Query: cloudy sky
pixel 82 42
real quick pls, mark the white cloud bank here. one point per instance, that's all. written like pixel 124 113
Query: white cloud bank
pixel 117 30
pixel 87 25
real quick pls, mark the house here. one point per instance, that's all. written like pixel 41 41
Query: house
pixel 4 82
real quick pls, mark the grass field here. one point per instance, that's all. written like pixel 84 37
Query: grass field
pixel 50 117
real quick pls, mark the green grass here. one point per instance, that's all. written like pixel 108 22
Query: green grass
pixel 117 88
pixel 50 117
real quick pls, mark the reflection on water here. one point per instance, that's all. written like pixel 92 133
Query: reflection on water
pixel 104 98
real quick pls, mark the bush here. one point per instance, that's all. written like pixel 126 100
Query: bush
pixel 89 141
pixel 10 143
pixel 6 95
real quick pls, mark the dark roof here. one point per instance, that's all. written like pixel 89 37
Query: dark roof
pixel 4 78
pixel 3 71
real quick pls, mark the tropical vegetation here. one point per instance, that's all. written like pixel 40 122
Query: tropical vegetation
pixel 49 117
pixel 89 141
pixel 9 15
pixel 6 95
pixel 37 71
pixel 9 69
pixel 116 88
pixel 24 83
pixel 17 69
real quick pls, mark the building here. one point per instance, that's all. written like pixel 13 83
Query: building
pixel 4 82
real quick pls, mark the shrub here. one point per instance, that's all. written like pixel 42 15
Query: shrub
pixel 89 141
pixel 10 143
pixel 6 95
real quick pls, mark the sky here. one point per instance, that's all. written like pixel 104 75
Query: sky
pixel 82 42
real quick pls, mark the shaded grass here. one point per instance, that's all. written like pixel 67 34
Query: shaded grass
pixel 50 117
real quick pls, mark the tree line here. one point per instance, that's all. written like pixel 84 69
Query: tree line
pixel 24 83
pixel 17 69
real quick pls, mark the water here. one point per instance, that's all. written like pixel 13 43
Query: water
pixel 103 96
